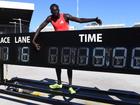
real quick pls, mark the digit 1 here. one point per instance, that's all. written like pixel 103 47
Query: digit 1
pixel 4 53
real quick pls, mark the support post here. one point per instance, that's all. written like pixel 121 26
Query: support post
pixel 1 73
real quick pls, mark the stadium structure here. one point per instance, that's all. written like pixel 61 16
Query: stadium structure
pixel 15 17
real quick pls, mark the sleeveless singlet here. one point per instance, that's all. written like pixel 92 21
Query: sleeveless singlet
pixel 60 24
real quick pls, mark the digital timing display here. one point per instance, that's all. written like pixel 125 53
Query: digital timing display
pixel 103 50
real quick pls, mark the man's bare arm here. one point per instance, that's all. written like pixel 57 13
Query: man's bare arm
pixel 40 28
pixel 83 20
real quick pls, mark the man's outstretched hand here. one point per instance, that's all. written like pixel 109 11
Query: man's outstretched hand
pixel 99 21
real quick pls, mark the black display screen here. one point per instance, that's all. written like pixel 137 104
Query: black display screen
pixel 104 50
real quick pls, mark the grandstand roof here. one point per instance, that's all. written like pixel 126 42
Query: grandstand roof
pixel 15 10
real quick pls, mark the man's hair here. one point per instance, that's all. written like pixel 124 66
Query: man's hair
pixel 54 5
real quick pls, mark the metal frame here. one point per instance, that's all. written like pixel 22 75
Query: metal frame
pixel 1 73
pixel 39 99
pixel 84 93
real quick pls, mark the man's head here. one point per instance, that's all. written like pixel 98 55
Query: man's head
pixel 54 8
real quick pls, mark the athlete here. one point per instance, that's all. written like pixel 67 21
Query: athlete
pixel 60 22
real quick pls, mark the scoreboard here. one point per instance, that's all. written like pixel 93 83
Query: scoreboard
pixel 114 50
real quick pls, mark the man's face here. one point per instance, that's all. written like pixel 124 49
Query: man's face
pixel 55 11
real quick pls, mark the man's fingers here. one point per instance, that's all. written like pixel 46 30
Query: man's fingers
pixel 37 46
pixel 98 21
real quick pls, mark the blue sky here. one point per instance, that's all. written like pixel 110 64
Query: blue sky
pixel 110 11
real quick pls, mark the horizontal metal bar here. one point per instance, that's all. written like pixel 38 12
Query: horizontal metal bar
pixel 91 90
pixel 38 98
pixel 94 97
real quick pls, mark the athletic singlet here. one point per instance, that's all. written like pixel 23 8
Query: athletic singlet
pixel 60 24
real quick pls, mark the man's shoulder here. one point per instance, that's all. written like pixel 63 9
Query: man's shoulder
pixel 67 15
pixel 49 18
